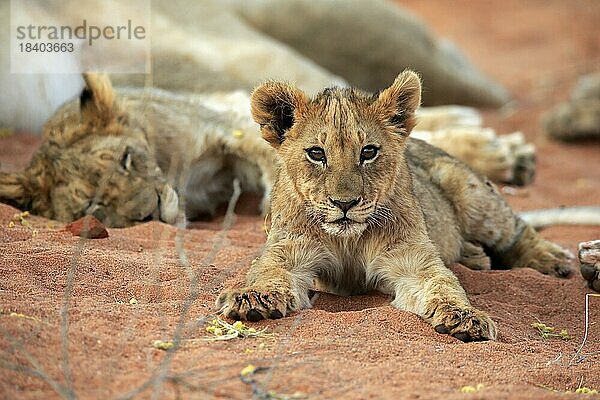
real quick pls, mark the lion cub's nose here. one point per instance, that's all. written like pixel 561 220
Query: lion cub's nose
pixel 345 205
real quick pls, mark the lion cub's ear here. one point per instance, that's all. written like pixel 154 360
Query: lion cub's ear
pixel 400 101
pixel 275 106
pixel 97 99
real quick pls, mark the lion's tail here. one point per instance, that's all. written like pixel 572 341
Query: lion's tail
pixel 562 216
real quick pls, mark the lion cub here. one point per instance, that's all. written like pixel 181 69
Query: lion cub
pixel 359 206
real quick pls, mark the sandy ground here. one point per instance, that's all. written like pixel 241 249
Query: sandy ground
pixel 67 327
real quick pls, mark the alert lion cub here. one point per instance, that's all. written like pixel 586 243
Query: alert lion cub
pixel 358 206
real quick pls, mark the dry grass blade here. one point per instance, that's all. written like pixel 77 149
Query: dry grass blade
pixel 547 332
pixel 161 373
pixel 247 375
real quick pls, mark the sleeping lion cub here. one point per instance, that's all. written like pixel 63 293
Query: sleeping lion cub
pixel 358 206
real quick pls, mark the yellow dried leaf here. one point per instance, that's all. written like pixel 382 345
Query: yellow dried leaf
pixel 23 316
pixel 163 345
pixel 238 325
pixel 472 389
pixel 248 370
pixel 584 390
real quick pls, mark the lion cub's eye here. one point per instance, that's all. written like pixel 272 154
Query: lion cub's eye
pixel 368 153
pixel 316 154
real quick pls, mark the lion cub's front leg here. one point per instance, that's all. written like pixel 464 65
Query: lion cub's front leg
pixel 423 285
pixel 276 284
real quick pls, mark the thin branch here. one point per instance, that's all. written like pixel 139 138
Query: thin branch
pixel 37 370
pixel 64 311
pixel 161 372
pixel 585 336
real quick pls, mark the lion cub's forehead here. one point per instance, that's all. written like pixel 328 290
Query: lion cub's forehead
pixel 342 115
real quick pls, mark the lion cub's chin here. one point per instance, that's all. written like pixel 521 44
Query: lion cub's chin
pixel 344 229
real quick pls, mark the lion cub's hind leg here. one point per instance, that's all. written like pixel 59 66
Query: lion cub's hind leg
pixel 531 250
pixel 473 256
pixel 485 218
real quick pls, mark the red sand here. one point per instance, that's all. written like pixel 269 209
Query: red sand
pixel 352 348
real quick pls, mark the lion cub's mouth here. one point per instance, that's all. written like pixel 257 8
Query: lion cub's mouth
pixel 345 227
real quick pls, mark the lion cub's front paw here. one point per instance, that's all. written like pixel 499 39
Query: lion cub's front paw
pixel 465 323
pixel 253 304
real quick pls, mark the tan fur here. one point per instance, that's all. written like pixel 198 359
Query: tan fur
pixel 187 141
pixel 130 155
pixel 392 223
pixel 459 131
pixel 133 155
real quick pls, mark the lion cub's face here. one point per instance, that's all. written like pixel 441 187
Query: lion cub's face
pixel 114 178
pixel 93 160
pixel 341 150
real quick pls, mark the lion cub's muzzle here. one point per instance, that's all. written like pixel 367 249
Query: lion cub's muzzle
pixel 345 206
pixel 345 211
pixel 346 217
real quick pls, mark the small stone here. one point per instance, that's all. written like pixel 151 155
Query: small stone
pixel 88 227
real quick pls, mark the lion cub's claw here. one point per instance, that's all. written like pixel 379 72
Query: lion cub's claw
pixel 466 324
pixel 252 305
